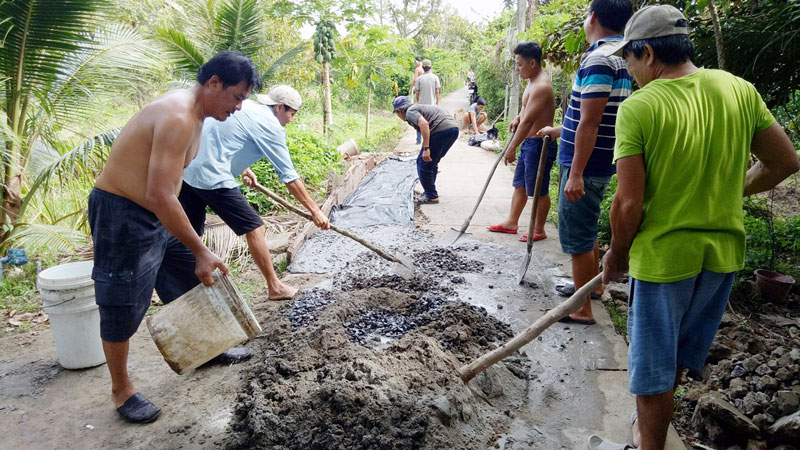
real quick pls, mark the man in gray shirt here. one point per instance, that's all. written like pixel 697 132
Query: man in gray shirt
pixel 427 85
pixel 439 132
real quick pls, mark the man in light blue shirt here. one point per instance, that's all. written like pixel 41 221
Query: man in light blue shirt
pixel 228 149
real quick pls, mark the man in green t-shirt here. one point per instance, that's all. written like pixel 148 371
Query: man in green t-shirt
pixel 679 223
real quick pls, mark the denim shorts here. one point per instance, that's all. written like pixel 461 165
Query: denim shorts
pixel 528 165
pixel 672 325
pixel 133 254
pixel 577 222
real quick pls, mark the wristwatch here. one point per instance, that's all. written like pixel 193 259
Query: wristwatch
pixel 424 147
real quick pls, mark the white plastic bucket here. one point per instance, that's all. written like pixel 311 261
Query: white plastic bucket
pixel 201 324
pixel 67 293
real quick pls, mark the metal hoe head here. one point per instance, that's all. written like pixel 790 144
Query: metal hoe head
pixel 452 237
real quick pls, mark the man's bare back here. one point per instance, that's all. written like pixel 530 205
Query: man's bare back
pixel 539 100
pixel 127 169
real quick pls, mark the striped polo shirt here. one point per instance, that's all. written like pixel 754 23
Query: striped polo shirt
pixel 598 77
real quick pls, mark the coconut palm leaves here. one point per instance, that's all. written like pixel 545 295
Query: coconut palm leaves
pixel 219 25
pixel 57 58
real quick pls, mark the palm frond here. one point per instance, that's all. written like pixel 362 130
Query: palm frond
pixel 117 56
pixel 181 51
pixel 238 26
pixel 282 60
pixel 88 155
pixel 40 34
pixel 38 238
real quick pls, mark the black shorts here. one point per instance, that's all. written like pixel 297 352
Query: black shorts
pixel 133 254
pixel 228 203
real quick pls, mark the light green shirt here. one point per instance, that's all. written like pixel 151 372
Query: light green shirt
pixel 695 134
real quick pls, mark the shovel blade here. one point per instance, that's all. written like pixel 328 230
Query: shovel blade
pixel 403 266
pixel 452 237
pixel 524 268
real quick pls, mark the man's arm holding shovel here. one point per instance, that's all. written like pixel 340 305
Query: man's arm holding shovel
pixel 299 191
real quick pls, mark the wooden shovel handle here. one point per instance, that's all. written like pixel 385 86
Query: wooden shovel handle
pixel 565 308
pixel 275 197
pixel 537 188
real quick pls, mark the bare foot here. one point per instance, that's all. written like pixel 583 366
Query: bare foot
pixel 280 291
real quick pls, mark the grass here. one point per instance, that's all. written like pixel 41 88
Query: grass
pixel 618 318
pixel 19 293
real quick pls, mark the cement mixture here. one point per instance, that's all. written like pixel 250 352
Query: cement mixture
pixel 372 364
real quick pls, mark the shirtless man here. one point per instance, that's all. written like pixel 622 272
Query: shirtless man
pixel 134 213
pixel 538 108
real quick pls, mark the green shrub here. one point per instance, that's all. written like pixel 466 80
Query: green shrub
pixel 604 223
pixel 772 241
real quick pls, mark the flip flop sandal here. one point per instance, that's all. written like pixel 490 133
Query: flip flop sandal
pixel 138 409
pixel 232 356
pixel 598 443
pixel 500 229
pixel 536 237
pixel 566 290
pixel 568 319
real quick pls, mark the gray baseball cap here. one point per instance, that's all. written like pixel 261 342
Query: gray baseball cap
pixel 649 22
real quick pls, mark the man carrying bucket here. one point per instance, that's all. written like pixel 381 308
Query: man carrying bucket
pixel 134 212
pixel 256 131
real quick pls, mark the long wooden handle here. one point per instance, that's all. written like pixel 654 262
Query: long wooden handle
pixel 275 197
pixel 466 223
pixel 567 307
pixel 537 188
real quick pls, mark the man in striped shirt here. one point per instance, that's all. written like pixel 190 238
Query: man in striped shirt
pixel 587 143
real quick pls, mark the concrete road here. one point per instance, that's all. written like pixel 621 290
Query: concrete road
pixel 579 383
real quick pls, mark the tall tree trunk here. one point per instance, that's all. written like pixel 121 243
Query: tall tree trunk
pixel 533 7
pixel 717 35
pixel 369 107
pixel 513 105
pixel 327 115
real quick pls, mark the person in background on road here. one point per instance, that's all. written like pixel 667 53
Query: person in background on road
pixel 538 109
pixel 677 225
pixel 587 145
pixel 475 116
pixel 439 132
pixel 256 131
pixel 470 76
pixel 134 211
pixel 427 85
pixel 417 72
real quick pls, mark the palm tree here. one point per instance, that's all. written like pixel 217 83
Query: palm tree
pixel 220 25
pixel 57 57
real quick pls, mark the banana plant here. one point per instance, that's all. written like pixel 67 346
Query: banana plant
pixel 371 54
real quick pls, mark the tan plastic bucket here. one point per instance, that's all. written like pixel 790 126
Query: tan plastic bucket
pixel 201 324
pixel 348 149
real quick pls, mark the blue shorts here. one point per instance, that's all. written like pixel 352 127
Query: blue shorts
pixel 528 165
pixel 133 254
pixel 672 325
pixel 577 222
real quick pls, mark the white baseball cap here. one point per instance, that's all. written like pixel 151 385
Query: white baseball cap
pixel 281 93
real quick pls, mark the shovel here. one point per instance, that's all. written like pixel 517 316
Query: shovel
pixel 539 176
pixel 452 236
pixel 565 308
pixel 402 265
